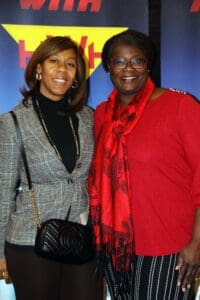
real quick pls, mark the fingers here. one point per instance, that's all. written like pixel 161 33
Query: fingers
pixel 4 275
pixel 182 271
pixel 187 274
pixel 179 262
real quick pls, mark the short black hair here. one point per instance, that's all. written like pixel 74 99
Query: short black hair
pixel 129 37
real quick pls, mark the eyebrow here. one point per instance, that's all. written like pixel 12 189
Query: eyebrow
pixel 56 54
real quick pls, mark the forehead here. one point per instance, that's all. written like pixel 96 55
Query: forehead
pixel 125 50
pixel 68 53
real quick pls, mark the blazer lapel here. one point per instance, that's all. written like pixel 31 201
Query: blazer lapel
pixel 34 127
pixel 82 131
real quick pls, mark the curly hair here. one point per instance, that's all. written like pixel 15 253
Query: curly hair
pixel 129 37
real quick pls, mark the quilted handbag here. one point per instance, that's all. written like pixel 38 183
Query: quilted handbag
pixel 65 241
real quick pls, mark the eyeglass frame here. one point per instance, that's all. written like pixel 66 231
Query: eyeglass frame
pixel 130 61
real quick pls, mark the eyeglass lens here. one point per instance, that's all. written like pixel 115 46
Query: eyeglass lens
pixel 121 63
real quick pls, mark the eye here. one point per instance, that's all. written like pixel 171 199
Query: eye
pixel 138 61
pixel 118 62
pixel 70 65
pixel 53 60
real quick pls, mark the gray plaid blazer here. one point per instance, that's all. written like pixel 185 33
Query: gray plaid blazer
pixel 55 188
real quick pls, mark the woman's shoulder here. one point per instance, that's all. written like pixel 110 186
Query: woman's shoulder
pixel 178 103
pixel 101 105
pixel 6 121
pixel 100 108
pixel 171 94
pixel 85 115
pixel 158 91
pixel 87 111
pixel 6 117
pixel 99 117
pixel 181 97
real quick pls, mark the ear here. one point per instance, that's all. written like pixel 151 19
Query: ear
pixel 39 69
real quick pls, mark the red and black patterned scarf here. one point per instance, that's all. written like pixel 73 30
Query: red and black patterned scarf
pixel 109 180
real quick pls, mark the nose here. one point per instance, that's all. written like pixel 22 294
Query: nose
pixel 62 66
pixel 129 64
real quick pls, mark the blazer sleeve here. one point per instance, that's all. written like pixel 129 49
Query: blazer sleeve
pixel 9 173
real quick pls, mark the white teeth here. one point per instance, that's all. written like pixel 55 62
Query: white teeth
pixel 59 80
pixel 129 77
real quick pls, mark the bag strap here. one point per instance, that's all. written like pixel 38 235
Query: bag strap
pixel 19 135
pixel 24 158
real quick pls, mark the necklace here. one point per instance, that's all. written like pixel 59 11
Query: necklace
pixel 75 138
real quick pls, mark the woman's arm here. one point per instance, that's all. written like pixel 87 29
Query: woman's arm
pixel 188 262
pixel 9 174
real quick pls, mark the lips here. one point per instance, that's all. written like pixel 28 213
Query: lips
pixel 60 80
pixel 128 79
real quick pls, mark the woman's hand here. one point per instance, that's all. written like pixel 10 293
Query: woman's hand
pixel 188 265
pixel 3 271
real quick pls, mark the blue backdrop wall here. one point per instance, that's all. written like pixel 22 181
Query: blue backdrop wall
pixel 180 45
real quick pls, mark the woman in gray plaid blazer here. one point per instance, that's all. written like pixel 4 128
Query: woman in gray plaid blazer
pixel 57 134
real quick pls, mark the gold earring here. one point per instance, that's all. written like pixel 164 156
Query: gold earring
pixel 38 76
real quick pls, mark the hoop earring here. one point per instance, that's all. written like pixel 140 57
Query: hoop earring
pixel 38 76
pixel 74 84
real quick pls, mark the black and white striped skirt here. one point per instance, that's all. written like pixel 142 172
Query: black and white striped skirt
pixel 151 278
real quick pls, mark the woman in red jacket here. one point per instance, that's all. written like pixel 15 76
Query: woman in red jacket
pixel 145 179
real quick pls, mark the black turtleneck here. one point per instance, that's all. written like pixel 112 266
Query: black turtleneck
pixel 59 128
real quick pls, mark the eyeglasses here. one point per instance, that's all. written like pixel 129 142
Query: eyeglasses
pixel 138 63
